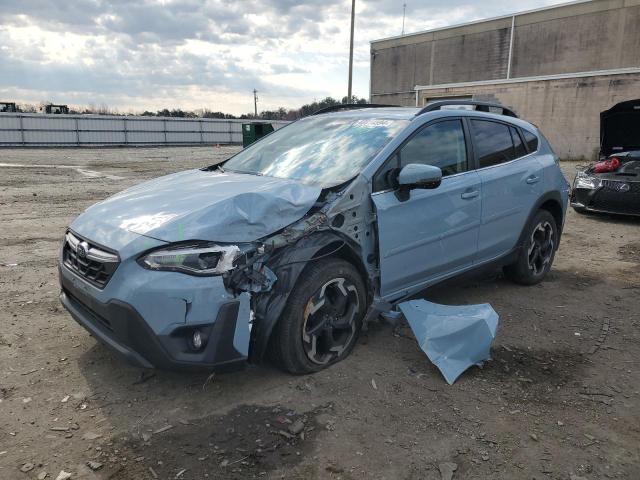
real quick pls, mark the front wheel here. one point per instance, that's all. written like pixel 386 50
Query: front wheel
pixel 322 320
pixel 537 253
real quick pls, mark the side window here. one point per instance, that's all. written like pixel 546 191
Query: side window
pixel 531 141
pixel 520 151
pixel 492 142
pixel 441 145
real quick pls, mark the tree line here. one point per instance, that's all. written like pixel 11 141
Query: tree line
pixel 279 114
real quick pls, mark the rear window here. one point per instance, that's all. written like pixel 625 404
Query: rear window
pixel 531 140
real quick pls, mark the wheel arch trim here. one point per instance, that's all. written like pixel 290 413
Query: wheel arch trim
pixel 551 202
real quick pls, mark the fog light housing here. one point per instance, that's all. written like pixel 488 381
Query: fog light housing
pixel 198 340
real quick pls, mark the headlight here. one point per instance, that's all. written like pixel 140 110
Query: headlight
pixel 585 181
pixel 194 260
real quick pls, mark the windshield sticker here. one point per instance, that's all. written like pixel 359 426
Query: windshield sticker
pixel 372 123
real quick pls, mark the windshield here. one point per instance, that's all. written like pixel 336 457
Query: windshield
pixel 322 150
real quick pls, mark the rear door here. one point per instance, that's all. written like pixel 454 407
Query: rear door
pixel 433 232
pixel 511 184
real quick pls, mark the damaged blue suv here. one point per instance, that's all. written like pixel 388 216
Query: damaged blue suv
pixel 290 246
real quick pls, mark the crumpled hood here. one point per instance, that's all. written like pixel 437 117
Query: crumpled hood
pixel 203 205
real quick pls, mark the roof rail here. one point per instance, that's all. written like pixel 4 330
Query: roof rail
pixel 349 106
pixel 479 106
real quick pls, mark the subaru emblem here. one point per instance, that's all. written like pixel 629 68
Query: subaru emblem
pixel 82 250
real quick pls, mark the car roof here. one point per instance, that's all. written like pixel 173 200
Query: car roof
pixel 400 113
pixel 409 113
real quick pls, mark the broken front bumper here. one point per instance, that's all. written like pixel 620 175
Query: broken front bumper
pixel 148 317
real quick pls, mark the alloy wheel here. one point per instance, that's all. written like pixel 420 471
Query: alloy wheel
pixel 541 247
pixel 330 320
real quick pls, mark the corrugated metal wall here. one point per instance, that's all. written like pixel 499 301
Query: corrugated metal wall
pixel 26 129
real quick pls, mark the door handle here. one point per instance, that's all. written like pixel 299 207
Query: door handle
pixel 470 195
pixel 533 179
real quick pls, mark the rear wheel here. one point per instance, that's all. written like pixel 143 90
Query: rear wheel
pixel 538 251
pixel 322 320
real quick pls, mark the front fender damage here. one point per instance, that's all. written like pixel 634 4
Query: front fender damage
pixel 343 225
pixel 287 266
pixel 270 279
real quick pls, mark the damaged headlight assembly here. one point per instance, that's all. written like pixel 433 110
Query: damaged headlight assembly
pixel 586 181
pixel 193 259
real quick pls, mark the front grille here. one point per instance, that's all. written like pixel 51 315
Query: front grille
pixel 614 186
pixel 95 264
pixel 611 199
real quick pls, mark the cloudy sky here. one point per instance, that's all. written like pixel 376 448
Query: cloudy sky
pixel 149 54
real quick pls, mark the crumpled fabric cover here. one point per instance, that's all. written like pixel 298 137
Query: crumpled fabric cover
pixel 453 337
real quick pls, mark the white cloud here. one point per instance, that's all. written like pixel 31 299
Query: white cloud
pixel 152 54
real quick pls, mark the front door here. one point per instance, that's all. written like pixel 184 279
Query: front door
pixel 433 232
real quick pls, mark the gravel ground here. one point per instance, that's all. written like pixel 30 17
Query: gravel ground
pixel 559 400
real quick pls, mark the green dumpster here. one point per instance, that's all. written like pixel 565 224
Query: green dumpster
pixel 254 131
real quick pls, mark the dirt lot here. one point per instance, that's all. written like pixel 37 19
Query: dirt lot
pixel 560 400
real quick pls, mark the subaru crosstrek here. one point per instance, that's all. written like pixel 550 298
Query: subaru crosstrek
pixel 291 245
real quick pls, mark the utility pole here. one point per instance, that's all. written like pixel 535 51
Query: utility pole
pixel 255 102
pixel 404 14
pixel 353 16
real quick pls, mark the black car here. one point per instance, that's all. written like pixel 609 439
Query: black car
pixel 612 185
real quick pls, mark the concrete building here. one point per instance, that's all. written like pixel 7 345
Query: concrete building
pixel 557 67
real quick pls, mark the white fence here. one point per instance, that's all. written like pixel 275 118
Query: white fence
pixel 27 129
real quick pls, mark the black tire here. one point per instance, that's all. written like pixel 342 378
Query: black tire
pixel 292 346
pixel 538 250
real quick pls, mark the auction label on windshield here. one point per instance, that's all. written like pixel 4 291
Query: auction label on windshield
pixel 372 123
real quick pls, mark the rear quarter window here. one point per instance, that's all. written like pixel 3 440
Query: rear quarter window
pixel 517 143
pixel 531 140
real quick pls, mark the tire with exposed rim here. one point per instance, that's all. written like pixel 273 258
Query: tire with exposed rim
pixel 538 250
pixel 322 319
